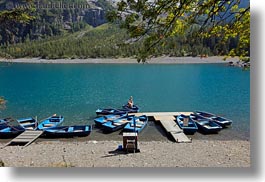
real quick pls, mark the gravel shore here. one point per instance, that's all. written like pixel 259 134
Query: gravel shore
pixel 159 60
pixel 91 153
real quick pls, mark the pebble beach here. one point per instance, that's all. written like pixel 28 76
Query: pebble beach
pixel 158 60
pixel 91 153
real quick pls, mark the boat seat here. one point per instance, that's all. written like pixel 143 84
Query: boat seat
pixel 25 123
pixel 124 120
pixel 117 124
pixel 78 130
pixel 137 125
pixel 48 125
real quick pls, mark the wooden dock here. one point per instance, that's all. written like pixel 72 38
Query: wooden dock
pixel 25 138
pixel 167 119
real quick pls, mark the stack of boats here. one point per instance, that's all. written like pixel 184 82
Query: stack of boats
pixel 204 122
pixel 116 119
pixel 11 128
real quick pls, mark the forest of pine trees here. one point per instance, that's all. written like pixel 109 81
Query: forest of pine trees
pixel 70 33
pixel 105 41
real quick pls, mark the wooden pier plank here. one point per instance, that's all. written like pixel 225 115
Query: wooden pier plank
pixel 20 140
pixel 170 126
pixel 161 113
pixel 37 136
pixel 27 137
pixel 175 131
pixel 180 137
pixel 167 119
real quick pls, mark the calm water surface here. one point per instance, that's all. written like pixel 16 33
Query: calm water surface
pixel 77 90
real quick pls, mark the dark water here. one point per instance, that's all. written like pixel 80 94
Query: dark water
pixel 77 90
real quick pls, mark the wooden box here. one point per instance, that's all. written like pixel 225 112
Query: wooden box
pixel 130 140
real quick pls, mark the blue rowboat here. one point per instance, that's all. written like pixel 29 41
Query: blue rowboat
pixel 110 111
pixel 137 125
pixel 116 124
pixel 224 122
pixel 28 123
pixel 50 122
pixel 68 131
pixel 4 123
pixel 103 119
pixel 11 131
pixel 188 126
pixel 10 128
pixel 205 125
pixel 133 109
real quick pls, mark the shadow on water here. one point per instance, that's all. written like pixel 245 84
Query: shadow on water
pixel 155 131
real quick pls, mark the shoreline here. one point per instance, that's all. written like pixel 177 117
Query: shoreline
pixel 158 60
pixel 93 153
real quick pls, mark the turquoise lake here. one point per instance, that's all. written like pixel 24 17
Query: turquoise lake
pixel 77 90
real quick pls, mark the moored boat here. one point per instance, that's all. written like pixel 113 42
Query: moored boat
pixel 188 126
pixel 205 125
pixel 108 111
pixel 116 124
pixel 68 131
pixel 137 125
pixel 10 127
pixel 52 121
pixel 28 123
pixel 11 131
pixel 133 109
pixel 103 119
pixel 4 122
pixel 222 121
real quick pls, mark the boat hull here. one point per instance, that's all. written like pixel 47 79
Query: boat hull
pixel 134 109
pixel 190 128
pixel 137 126
pixel 50 122
pixel 110 111
pixel 222 121
pixel 115 125
pixel 103 119
pixel 11 132
pixel 28 123
pixel 205 126
pixel 68 131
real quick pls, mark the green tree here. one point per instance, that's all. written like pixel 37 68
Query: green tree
pixel 18 15
pixel 153 21
pixel 9 18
